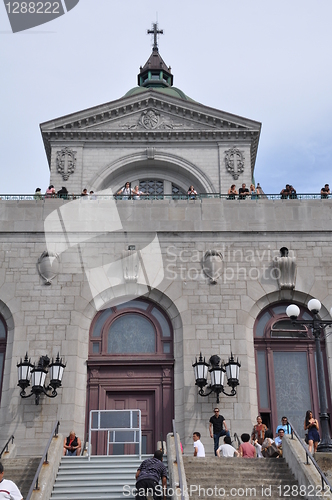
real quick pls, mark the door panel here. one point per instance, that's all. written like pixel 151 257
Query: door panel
pixel 141 400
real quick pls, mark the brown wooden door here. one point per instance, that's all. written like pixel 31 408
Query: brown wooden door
pixel 140 400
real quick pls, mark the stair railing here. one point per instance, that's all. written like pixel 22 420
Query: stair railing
pixel 5 448
pixel 177 452
pixel 237 439
pixel 84 444
pixel 324 479
pixel 43 460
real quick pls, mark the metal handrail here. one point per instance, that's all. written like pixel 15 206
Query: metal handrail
pixel 34 484
pixel 308 455
pixel 5 448
pixel 237 438
pixel 98 426
pixel 178 459
pixel 200 196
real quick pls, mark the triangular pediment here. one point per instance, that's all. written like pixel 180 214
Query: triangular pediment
pixel 152 113
pixel 147 111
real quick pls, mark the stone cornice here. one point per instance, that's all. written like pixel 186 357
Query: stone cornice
pixel 200 123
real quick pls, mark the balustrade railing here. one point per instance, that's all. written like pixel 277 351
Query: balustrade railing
pixel 202 196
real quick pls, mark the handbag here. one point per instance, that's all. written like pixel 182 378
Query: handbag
pixel 271 451
pixel 306 439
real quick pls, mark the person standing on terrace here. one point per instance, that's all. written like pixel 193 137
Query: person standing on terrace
pixel 232 192
pixel 243 192
pixel 126 191
pixel 325 191
pixel 192 193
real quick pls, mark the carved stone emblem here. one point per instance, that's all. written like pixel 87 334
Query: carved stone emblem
pixel 151 119
pixel 213 265
pixel 285 270
pixel 130 265
pixel 48 266
pixel 66 162
pixel 234 160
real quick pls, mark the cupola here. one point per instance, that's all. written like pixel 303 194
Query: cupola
pixel 155 72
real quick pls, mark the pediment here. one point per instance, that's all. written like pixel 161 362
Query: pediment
pixel 150 111
pixel 152 115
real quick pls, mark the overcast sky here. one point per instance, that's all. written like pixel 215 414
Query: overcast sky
pixel 265 60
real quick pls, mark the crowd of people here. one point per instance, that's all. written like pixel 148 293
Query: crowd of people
pixel 62 193
pixel 129 193
pixel 260 443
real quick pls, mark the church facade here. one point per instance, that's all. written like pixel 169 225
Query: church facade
pixel 131 291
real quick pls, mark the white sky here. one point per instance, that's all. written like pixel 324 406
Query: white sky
pixel 265 60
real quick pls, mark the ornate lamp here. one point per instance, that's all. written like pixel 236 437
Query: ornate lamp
pixel 37 375
pixel 233 372
pixel 217 374
pixel 201 372
pixel 24 373
pixel 56 372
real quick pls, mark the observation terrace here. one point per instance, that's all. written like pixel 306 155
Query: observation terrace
pixel 307 214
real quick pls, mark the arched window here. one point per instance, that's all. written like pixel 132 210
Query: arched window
pixel 155 188
pixel 285 367
pixel 3 343
pixel 134 327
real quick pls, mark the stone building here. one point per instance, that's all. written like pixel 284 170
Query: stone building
pixel 123 288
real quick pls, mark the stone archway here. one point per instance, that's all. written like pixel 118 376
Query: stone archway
pixel 130 366
pixel 161 165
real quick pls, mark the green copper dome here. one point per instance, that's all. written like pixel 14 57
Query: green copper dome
pixel 171 91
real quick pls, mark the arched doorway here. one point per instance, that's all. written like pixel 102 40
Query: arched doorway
pixel 130 366
pixel 286 367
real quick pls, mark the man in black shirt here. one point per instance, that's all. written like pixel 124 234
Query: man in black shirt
pixel 147 478
pixel 243 192
pixel 217 422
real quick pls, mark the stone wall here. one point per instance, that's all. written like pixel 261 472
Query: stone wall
pixel 211 318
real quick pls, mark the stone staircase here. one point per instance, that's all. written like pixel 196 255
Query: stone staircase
pixel 236 478
pixel 103 477
pixel 21 471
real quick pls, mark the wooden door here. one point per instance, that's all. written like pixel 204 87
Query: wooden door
pixel 140 400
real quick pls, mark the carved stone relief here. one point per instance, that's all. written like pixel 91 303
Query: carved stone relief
pixel 234 161
pixel 66 162
pixel 130 265
pixel 48 266
pixel 150 119
pixel 285 269
pixel 213 265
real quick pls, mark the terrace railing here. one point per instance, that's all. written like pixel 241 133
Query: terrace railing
pixel 198 197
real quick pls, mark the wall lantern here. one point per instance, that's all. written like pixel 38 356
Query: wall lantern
pixel 29 373
pixel 217 374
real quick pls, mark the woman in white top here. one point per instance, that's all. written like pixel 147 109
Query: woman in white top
pixel 126 191
pixel 137 193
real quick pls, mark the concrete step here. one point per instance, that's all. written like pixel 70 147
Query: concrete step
pixel 21 471
pixel 238 478
pixel 100 478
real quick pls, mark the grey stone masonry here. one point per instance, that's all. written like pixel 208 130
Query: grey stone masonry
pixel 172 237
